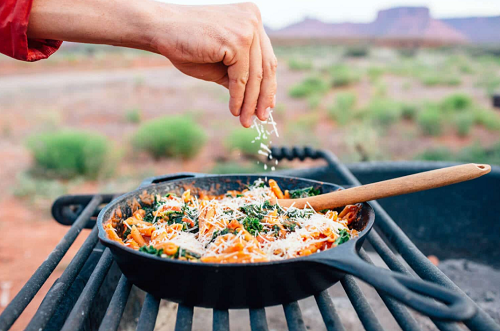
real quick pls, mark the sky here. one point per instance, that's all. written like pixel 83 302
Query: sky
pixel 277 14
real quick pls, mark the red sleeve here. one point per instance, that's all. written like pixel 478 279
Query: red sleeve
pixel 14 42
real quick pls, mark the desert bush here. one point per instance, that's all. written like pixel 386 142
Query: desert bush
pixel 133 115
pixel 457 103
pixel 487 118
pixel 170 136
pixel 34 188
pixel 383 112
pixel 309 86
pixel 314 100
pixel 68 154
pixel 409 111
pixel 490 83
pixel 363 143
pixel 473 153
pixel 357 51
pixel 342 75
pixel 436 154
pixel 430 120
pixel 463 123
pixel 342 110
pixel 238 168
pixel 298 64
pixel 408 52
pixel 241 140
pixel 374 73
pixel 434 77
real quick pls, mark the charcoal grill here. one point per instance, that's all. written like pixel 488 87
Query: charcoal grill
pixel 92 294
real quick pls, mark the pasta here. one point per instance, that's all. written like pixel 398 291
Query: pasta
pixel 237 227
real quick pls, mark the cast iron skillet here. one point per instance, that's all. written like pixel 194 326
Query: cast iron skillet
pixel 256 285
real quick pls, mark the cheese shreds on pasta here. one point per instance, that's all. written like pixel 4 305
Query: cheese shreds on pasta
pixel 237 227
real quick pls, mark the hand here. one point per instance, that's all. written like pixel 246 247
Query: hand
pixel 225 44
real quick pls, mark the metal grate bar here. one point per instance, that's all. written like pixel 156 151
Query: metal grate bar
pixel 258 320
pixel 327 309
pixel 401 314
pixel 79 312
pixel 221 320
pixel 293 316
pixel 184 320
pixel 393 263
pixel 117 305
pixel 24 297
pixel 425 269
pixel 149 313
pixel 412 255
pixel 360 303
pixel 57 292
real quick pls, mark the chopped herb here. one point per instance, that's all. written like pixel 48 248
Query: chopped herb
pixel 151 250
pixel 324 211
pixel 252 225
pixel 276 230
pixel 126 233
pixel 239 195
pixel 343 237
pixel 290 226
pixel 257 184
pixel 149 217
pixel 218 233
pixel 304 192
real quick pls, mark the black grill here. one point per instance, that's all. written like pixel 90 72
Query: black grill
pixel 92 294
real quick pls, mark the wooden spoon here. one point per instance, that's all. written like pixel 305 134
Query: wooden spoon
pixel 398 186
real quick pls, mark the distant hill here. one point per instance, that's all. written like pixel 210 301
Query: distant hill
pixel 415 23
pixel 477 29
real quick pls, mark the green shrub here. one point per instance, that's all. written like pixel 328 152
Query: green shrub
pixel 241 140
pixel 487 118
pixel 430 120
pixel 170 136
pixel 473 153
pixel 307 87
pixel 383 112
pixel 357 51
pixel 409 111
pixel 434 77
pixel 342 110
pixel 490 83
pixel 463 123
pixel 68 154
pixel 374 73
pixel 457 103
pixel 33 188
pixel 133 115
pixel 237 168
pixel 408 52
pixel 299 64
pixel 314 100
pixel 342 75
pixel 436 154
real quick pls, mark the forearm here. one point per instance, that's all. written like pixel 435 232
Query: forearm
pixel 113 22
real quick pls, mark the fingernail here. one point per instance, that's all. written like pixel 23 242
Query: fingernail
pixel 266 114
pixel 274 101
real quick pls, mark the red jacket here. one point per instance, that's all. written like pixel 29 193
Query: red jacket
pixel 14 42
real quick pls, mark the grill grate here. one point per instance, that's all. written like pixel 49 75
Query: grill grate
pixel 68 306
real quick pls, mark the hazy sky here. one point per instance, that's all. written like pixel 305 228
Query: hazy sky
pixel 280 13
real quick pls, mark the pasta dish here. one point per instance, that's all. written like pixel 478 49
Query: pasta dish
pixel 237 227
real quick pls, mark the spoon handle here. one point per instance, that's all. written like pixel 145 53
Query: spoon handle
pixel 398 186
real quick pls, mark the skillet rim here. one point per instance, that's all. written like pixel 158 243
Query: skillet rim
pixel 308 258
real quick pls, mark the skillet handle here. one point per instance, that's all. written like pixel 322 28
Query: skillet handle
pixel 428 298
pixel 170 177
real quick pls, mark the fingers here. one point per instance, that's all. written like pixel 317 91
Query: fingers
pixel 238 77
pixel 267 97
pixel 252 90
